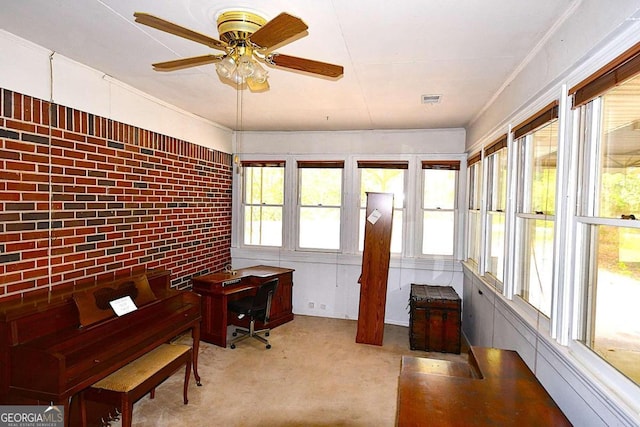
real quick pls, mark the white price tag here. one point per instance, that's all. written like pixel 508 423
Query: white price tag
pixel 374 216
pixel 123 305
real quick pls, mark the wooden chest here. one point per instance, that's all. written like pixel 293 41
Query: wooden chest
pixel 434 319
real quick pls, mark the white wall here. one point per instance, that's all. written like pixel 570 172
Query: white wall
pixel 327 284
pixel 32 70
pixel 436 141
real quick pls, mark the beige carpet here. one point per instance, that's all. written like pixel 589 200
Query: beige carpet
pixel 314 375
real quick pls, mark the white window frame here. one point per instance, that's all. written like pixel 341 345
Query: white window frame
pixel 588 120
pixel 451 165
pixel 244 204
pixel 474 201
pixel 523 164
pixel 386 164
pixel 489 177
pixel 331 164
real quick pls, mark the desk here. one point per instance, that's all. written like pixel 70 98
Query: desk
pixel 496 388
pixel 218 289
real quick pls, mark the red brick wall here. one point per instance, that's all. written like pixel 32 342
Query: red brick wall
pixel 84 198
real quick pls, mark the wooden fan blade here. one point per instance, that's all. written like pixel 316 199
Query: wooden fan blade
pixel 193 61
pixel 257 87
pixel 307 65
pixel 175 29
pixel 279 29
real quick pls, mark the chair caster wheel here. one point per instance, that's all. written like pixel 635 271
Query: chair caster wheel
pixel 266 334
pixel 232 346
pixel 268 346
pixel 235 334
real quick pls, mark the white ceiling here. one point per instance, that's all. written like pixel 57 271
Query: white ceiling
pixel 392 53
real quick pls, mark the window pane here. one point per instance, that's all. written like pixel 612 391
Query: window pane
pixel 495 260
pixel 263 188
pixel 619 191
pixel 263 225
pixel 612 328
pixel 320 228
pixel 396 232
pixel 474 236
pixel 498 180
pixel 264 185
pixel 382 181
pixel 497 185
pixel 535 269
pixel 320 200
pixel 540 153
pixel 439 189
pixel 475 186
pixel 438 233
pixel 474 225
pixel 320 187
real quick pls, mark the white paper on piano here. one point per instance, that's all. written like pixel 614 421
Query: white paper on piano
pixel 374 216
pixel 123 305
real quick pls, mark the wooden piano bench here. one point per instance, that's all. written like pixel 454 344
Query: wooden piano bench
pixel 131 382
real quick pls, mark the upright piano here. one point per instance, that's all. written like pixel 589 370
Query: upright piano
pixel 47 356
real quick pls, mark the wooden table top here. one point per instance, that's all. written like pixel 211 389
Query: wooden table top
pixel 496 388
pixel 255 271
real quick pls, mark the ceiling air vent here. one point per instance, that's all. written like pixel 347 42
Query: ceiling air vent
pixel 430 99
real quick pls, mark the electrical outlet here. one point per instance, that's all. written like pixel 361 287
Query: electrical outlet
pixel 312 305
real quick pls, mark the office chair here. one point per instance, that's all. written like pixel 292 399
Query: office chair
pixel 257 307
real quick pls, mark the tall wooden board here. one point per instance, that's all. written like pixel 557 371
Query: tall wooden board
pixel 375 268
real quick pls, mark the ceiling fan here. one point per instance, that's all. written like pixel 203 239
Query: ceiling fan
pixel 246 39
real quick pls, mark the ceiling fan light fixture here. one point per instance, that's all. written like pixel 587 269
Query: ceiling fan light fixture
pixel 226 67
pixel 260 75
pixel 246 66
pixel 237 78
pixel 240 69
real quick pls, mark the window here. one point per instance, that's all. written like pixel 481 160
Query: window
pixel 263 200
pixel 608 211
pixel 537 145
pixel 384 177
pixel 319 204
pixel 439 206
pixel 496 160
pixel 474 171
